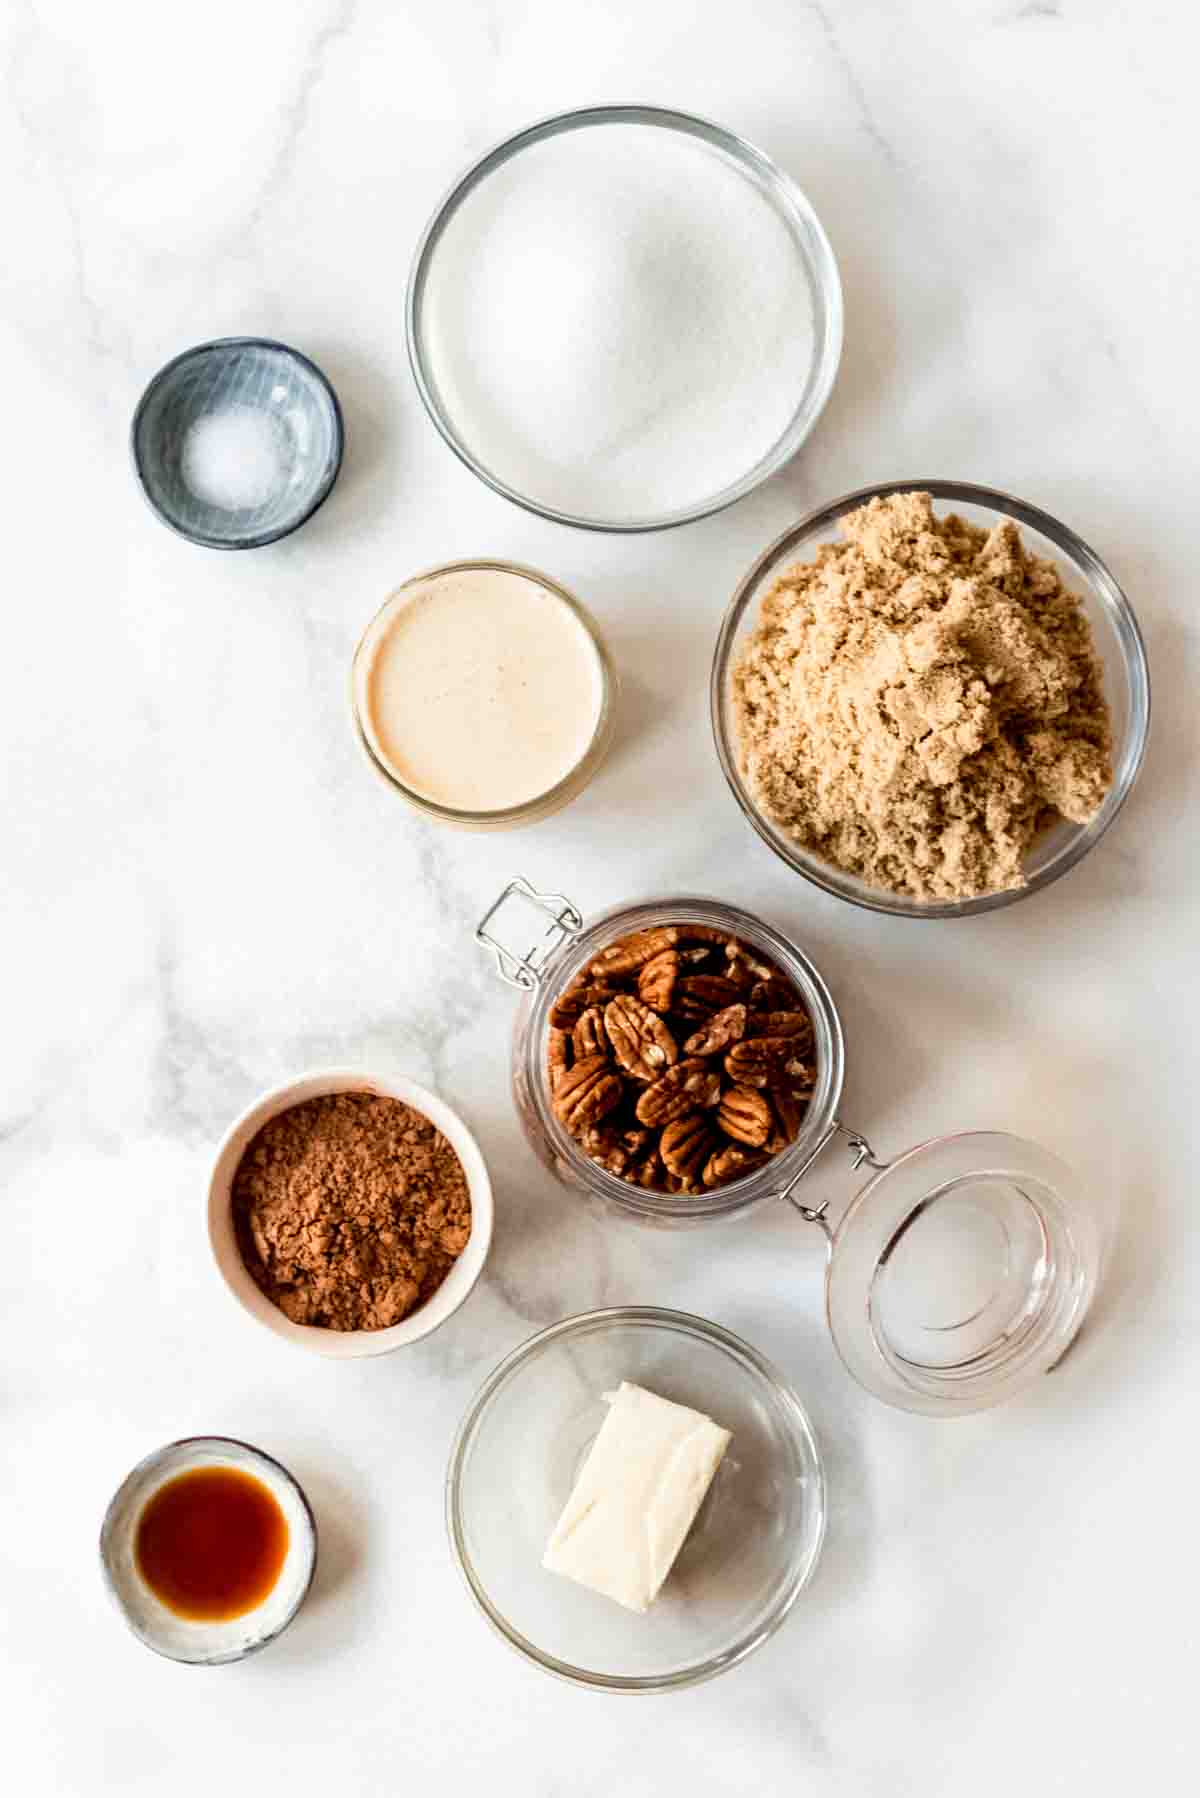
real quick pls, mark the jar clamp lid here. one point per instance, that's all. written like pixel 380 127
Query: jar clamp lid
pixel 955 1275
pixel 564 920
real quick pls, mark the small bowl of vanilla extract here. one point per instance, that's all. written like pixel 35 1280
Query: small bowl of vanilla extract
pixel 208 1549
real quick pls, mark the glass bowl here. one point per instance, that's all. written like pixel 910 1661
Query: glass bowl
pixel 1118 643
pixel 814 256
pixel 750 1552
pixel 258 382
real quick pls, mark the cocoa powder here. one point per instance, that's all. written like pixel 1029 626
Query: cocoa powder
pixel 350 1210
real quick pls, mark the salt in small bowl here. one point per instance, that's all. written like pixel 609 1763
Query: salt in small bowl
pixel 237 442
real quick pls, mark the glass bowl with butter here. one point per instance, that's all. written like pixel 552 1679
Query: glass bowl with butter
pixel 482 693
pixel 545 1432
pixel 957 1272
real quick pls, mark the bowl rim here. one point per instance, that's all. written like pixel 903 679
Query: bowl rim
pixel 148 1464
pixel 259 539
pixel 348 1345
pixel 690 1324
pixel 1104 587
pixel 823 270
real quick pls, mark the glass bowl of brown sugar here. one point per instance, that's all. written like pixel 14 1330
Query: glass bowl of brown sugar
pixel 349 1214
pixel 874 855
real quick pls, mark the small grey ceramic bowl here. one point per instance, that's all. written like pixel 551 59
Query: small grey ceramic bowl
pixel 205 1644
pixel 236 442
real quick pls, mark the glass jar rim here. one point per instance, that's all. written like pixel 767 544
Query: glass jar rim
pixel 542 803
pixel 784 1169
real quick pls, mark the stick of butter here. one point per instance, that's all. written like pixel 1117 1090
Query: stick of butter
pixel 636 1496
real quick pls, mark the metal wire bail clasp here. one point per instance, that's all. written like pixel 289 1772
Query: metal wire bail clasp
pixel 525 971
pixel 861 1155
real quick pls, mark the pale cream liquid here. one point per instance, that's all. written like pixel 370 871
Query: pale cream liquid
pixel 479 689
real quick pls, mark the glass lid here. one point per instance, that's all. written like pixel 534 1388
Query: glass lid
pixel 961 1271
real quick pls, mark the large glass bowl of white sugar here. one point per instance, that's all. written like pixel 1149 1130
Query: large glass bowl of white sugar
pixel 624 318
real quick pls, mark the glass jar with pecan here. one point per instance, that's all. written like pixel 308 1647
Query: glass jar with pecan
pixel 678 1060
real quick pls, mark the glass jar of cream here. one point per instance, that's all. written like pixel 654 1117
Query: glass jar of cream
pixel 483 693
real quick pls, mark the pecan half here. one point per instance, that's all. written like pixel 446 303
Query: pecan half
pixel 699 995
pixel 633 952
pixel 691 1085
pixel 705 933
pixel 746 1115
pixel 766 1061
pixel 686 1145
pixel 558 1056
pixel 588 1036
pixel 641 1041
pixel 789 1109
pixel 605 1148
pixel 783 1023
pixel 772 995
pixel 648 1171
pixel 656 982
pixel 745 967
pixel 731 1163
pixel 570 1006
pixel 723 1028
pixel 615 1150
pixel 587 1093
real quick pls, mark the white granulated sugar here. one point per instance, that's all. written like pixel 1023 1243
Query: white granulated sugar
pixel 619 323
pixel 233 459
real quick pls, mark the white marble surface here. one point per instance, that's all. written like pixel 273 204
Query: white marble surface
pixel 204 890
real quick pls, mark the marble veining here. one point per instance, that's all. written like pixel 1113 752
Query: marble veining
pixel 206 890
